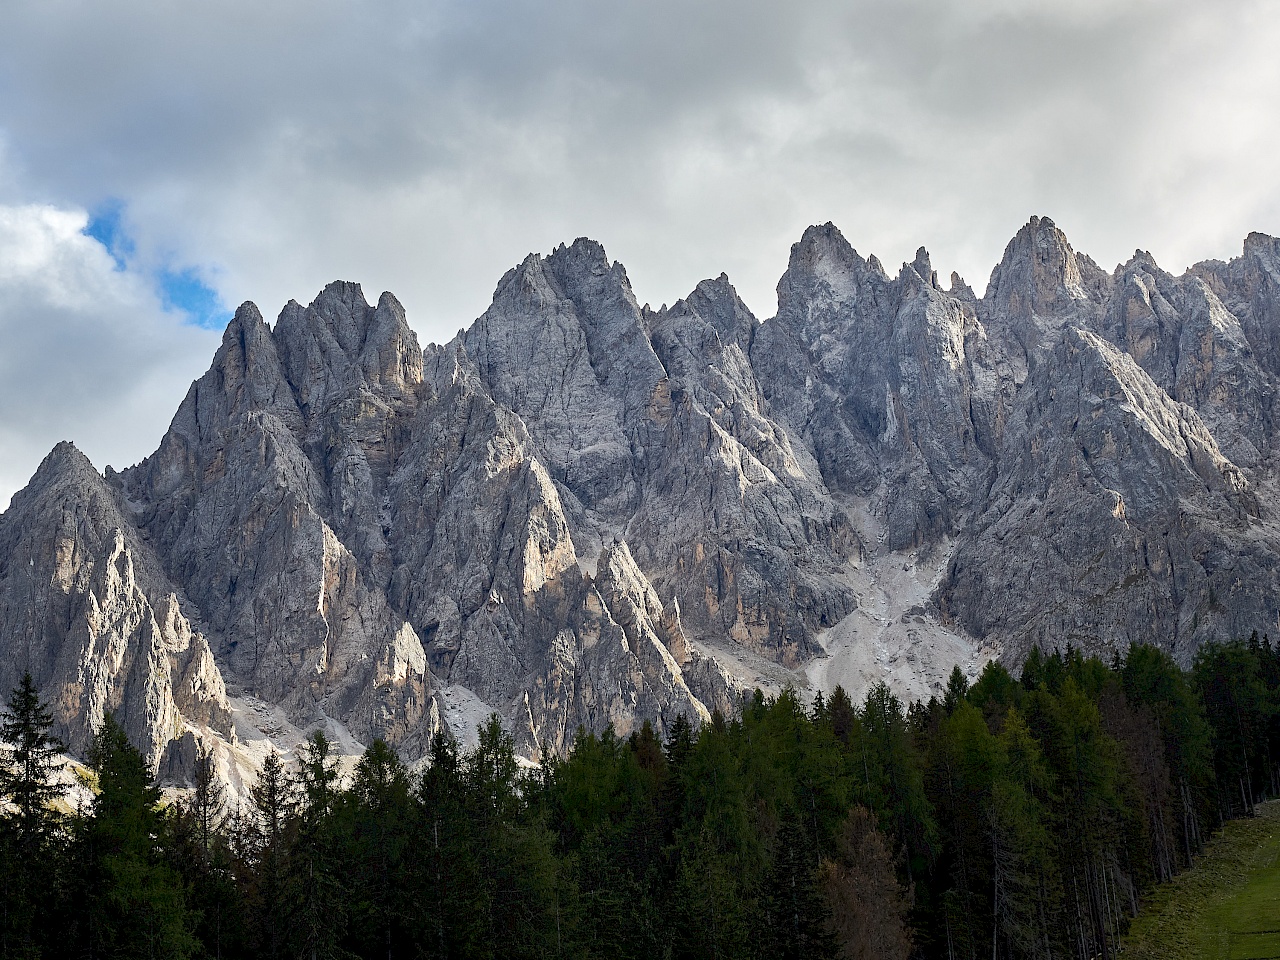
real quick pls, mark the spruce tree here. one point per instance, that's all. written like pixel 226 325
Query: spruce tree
pixel 130 902
pixel 452 909
pixel 317 886
pixel 274 803
pixel 31 830
pixel 794 916
pixel 201 854
pixel 380 821
pixel 30 765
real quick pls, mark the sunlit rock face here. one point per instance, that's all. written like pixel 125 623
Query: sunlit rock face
pixel 88 612
pixel 583 512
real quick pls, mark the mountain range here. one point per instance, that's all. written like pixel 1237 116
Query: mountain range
pixel 582 511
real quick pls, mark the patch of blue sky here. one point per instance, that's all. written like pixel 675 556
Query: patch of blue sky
pixel 182 290
pixel 185 290
pixel 106 225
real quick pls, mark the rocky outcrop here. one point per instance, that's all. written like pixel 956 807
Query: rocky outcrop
pixel 487 570
pixel 876 376
pixel 88 612
pixel 652 427
pixel 1117 520
pixel 245 496
pixel 582 512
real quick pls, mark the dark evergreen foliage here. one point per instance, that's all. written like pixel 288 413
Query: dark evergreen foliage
pixel 1013 817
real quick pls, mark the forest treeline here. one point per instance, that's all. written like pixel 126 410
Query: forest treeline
pixel 1014 817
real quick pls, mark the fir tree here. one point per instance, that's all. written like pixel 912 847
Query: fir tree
pixel 274 804
pixel 31 830
pixel 129 902
pixel 201 854
pixel 380 820
pixel 318 893
pixel 30 764
pixel 794 915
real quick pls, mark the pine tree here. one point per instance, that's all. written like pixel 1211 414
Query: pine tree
pixel 843 715
pixel 452 908
pixel 794 915
pixel 130 903
pixel 200 852
pixel 30 765
pixel 31 831
pixel 521 889
pixel 957 690
pixel 380 821
pixel 274 804
pixel 867 911
pixel 319 896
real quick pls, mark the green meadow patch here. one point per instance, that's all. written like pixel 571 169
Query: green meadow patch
pixel 1227 907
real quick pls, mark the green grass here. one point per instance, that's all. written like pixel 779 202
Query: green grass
pixel 1226 907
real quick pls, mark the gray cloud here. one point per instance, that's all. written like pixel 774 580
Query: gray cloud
pixel 426 147
pixel 86 352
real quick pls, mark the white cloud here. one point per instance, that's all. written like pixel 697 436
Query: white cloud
pixel 86 352
pixel 426 146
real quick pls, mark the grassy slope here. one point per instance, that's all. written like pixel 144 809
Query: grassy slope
pixel 1213 910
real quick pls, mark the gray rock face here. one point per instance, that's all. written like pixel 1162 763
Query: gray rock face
pixel 487 571
pixel 88 612
pixel 246 521
pixel 563 347
pixel 653 428
pixel 876 376
pixel 583 512
pixel 1117 521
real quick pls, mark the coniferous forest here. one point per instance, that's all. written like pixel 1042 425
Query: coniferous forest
pixel 1016 817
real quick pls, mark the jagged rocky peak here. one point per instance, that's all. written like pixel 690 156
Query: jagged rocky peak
pixel 267 512
pixel 248 365
pixel 717 303
pixel 961 290
pixel 245 375
pixel 340 343
pixel 1249 287
pixel 1128 519
pixel 85 607
pixel 580 510
pixel 1183 335
pixel 823 266
pixel 611 319
pixel 244 378
pixel 691 336
pixel 1042 282
pixel 1263 247
pixel 563 345
pixel 875 374
pixel 357 373
pixel 924 268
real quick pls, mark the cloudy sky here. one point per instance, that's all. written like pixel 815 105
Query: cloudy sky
pixel 162 162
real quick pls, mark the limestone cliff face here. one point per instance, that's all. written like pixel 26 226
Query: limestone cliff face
pixel 583 512
pixel 88 612
pixel 1136 455
pixel 1117 519
pixel 654 430
pixel 875 374
pixel 487 571
pixel 245 497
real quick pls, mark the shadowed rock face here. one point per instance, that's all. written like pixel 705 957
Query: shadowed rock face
pixel 586 512
pixel 1118 519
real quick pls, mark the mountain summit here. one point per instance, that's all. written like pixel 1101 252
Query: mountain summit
pixel 582 512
